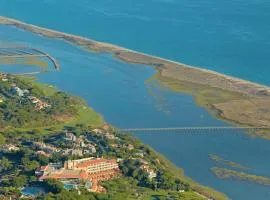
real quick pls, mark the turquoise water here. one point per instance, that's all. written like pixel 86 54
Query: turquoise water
pixel 118 91
pixel 227 36
pixel 68 186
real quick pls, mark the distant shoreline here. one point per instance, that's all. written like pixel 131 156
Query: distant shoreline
pixel 170 69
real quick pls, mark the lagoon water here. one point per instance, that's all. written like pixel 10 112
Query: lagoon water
pixel 232 37
pixel 119 92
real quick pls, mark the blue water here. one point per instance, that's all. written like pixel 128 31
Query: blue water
pixel 68 186
pixel 227 36
pixel 118 91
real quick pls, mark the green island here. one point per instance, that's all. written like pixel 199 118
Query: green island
pixel 222 173
pixel 229 163
pixel 48 138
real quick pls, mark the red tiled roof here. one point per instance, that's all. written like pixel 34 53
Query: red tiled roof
pixel 42 168
pixel 94 162
pixel 66 174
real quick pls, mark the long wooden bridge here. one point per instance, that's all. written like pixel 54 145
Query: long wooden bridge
pixel 10 51
pixel 195 130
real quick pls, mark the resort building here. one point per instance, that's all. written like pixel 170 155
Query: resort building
pixel 92 165
pixel 91 170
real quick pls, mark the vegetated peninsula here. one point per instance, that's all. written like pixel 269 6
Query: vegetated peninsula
pixel 238 101
pixel 53 146
pixel 227 174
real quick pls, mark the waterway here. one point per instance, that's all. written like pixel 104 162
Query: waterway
pixel 120 93
pixel 231 37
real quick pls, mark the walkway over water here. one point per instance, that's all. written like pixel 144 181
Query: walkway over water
pixel 195 130
pixel 25 52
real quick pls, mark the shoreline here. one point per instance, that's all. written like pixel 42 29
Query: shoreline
pixel 168 68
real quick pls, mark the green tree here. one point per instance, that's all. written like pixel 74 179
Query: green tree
pixel 5 164
pixel 53 186
pixel 177 182
pixel 19 181
pixel 29 165
pixel 2 139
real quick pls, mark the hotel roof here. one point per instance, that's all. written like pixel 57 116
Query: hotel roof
pixel 94 162
pixel 66 174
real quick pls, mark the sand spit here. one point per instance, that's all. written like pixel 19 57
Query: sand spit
pixel 255 98
pixel 168 68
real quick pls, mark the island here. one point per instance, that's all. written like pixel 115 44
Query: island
pixel 223 173
pixel 53 146
pixel 229 163
pixel 237 101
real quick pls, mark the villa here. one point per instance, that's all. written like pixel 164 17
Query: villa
pixel 10 147
pixel 151 173
pixel 39 105
pixel 43 153
pixel 19 91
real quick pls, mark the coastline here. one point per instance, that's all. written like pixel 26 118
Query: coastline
pixel 254 101
pixel 131 56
